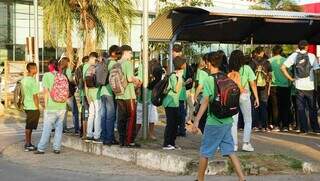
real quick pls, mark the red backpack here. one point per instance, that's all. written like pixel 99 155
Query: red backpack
pixel 60 89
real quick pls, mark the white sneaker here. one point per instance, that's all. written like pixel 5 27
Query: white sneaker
pixel 235 148
pixel 168 147
pixel 247 147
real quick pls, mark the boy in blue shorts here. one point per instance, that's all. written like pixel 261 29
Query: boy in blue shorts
pixel 217 132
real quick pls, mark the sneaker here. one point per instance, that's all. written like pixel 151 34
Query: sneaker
pixel 235 148
pixel 168 147
pixel 276 129
pixel 88 139
pixel 98 141
pixel 56 151
pixel 247 147
pixel 134 145
pixel 30 147
pixel 38 152
pixel 285 130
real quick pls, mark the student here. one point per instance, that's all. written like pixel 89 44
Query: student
pixel 201 76
pixel 126 103
pixel 171 103
pixel 262 68
pixel 217 132
pixel 79 79
pixel 280 92
pixel 71 103
pixel 246 81
pixel 108 109
pixel 93 97
pixel 30 89
pixel 303 79
pixel 54 112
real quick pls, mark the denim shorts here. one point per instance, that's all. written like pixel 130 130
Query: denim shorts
pixel 217 136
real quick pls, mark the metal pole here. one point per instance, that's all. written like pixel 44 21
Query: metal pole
pixel 36 36
pixel 145 68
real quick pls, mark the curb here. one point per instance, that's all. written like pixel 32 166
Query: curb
pixel 310 167
pixel 151 159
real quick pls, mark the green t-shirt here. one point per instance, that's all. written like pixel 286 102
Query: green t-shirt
pixel 201 76
pixel 183 93
pixel 48 81
pixel 93 93
pixel 208 91
pixel 127 69
pixel 278 78
pixel 172 98
pixel 246 75
pixel 106 90
pixel 30 87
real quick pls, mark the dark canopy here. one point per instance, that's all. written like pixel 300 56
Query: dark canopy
pixel 236 26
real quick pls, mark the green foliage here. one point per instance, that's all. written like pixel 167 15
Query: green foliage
pixel 283 5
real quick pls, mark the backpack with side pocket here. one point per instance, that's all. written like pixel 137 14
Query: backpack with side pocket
pixel 60 89
pixel 160 90
pixel 102 73
pixel 261 72
pixel 117 80
pixel 302 66
pixel 225 101
pixel 90 77
pixel 18 96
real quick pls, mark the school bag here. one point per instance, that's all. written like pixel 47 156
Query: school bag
pixel 302 66
pixel 102 73
pixel 18 96
pixel 72 85
pixel 90 77
pixel 154 73
pixel 60 89
pixel 78 76
pixel 189 74
pixel 160 90
pixel 225 101
pixel 261 72
pixel 117 79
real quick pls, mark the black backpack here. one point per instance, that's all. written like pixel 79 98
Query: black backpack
pixel 155 73
pixel 302 66
pixel 90 77
pixel 160 90
pixel 18 96
pixel 189 74
pixel 72 85
pixel 78 77
pixel 225 102
pixel 102 73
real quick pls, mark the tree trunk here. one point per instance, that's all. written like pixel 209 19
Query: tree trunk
pixel 69 47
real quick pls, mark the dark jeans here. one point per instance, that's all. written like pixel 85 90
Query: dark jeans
pixel 283 104
pixel 72 105
pixel 126 121
pixel 108 118
pixel 182 118
pixel 273 108
pixel 306 100
pixel 260 114
pixel 170 132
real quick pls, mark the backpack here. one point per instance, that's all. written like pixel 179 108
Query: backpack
pixel 160 90
pixel 78 76
pixel 90 77
pixel 117 79
pixel 155 73
pixel 72 85
pixel 60 89
pixel 190 73
pixel 225 102
pixel 302 66
pixel 102 73
pixel 18 96
pixel 261 72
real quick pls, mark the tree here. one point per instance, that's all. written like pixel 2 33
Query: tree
pixel 283 5
pixel 90 17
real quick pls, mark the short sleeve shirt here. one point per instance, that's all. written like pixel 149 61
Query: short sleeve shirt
pixel 278 78
pixel 48 81
pixel 303 83
pixel 106 90
pixel 93 93
pixel 129 92
pixel 172 98
pixel 208 91
pixel 246 75
pixel 30 87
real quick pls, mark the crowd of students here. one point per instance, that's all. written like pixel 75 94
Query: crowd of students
pixel 274 95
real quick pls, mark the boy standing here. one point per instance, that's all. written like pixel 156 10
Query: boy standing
pixel 171 103
pixel 217 132
pixel 126 103
pixel 30 89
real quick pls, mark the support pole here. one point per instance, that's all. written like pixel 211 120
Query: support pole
pixel 145 68
pixel 36 36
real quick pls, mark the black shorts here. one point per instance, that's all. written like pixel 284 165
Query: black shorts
pixel 32 119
